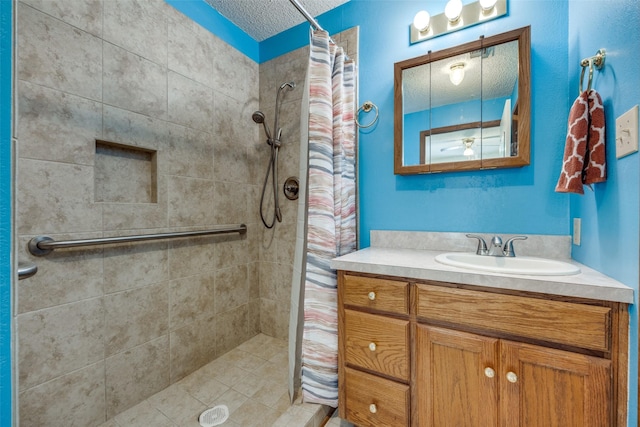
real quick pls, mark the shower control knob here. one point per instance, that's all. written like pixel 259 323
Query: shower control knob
pixel 373 408
pixel 372 346
pixel 372 296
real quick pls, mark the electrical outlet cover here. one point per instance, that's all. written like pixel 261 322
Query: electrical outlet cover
pixel 577 231
pixel 627 133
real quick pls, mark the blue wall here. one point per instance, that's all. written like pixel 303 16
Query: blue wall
pixel 610 214
pixel 5 212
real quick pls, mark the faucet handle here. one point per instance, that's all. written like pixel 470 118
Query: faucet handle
pixel 482 245
pixel 507 250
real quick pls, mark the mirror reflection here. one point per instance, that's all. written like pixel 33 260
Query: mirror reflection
pixel 462 108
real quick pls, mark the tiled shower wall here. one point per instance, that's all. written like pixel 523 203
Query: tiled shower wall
pixel 101 329
pixel 278 244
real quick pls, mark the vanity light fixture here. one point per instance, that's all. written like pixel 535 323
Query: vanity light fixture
pixel 421 21
pixel 456 16
pixel 456 73
pixel 487 5
pixel 453 10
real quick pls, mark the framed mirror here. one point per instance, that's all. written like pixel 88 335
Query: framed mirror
pixel 464 108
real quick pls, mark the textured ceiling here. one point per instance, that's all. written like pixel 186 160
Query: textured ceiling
pixel 262 19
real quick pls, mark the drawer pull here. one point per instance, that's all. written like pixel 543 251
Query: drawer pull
pixel 372 346
pixel 512 377
pixel 373 408
pixel 372 296
pixel 490 373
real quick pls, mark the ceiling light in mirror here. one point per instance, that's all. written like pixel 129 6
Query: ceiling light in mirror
pixel 456 73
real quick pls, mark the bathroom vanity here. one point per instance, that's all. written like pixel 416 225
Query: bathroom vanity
pixel 425 344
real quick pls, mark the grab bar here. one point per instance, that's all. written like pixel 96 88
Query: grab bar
pixel 43 245
pixel 26 271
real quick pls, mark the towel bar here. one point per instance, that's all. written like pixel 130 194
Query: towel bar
pixel 43 245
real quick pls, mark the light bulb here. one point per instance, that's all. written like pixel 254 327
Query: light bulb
pixel 453 9
pixel 456 74
pixel 487 5
pixel 421 20
pixel 468 152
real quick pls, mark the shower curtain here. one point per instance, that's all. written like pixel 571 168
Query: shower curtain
pixel 331 211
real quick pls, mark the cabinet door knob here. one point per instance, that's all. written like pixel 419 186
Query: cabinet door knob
pixel 490 373
pixel 372 296
pixel 373 408
pixel 372 346
pixel 512 377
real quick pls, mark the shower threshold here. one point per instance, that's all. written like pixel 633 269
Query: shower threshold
pixel 250 380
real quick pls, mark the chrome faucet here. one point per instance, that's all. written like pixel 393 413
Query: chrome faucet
pixel 497 248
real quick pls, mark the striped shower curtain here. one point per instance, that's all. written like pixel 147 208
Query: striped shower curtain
pixel 331 212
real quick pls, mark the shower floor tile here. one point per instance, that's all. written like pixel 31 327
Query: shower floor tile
pixel 251 380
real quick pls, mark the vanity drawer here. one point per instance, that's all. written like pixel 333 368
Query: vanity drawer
pixel 375 402
pixel 574 324
pixel 374 293
pixel 377 343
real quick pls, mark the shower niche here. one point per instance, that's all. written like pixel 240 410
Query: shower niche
pixel 125 173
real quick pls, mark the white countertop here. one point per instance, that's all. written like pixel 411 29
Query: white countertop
pixel 421 264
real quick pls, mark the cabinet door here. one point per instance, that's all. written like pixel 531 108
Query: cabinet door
pixel 542 387
pixel 456 378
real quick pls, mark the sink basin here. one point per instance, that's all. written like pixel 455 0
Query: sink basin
pixel 517 265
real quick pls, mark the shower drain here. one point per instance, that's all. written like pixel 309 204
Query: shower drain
pixel 214 416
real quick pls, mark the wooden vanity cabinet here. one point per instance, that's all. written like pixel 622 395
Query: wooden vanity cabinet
pixel 446 355
pixel 461 376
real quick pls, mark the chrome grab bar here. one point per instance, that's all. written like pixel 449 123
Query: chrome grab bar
pixel 26 271
pixel 43 245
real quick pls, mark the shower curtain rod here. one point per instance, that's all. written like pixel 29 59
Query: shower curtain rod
pixel 309 18
pixel 304 13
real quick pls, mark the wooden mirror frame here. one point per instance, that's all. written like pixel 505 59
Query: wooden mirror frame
pixel 521 117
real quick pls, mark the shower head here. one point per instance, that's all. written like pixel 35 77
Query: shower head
pixel 258 117
pixel 290 86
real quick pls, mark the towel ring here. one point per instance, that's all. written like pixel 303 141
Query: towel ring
pixel 367 107
pixel 584 67
pixel 597 61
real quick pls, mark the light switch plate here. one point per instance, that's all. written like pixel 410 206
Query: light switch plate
pixel 627 133
pixel 577 232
